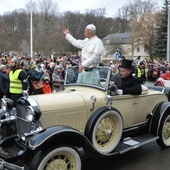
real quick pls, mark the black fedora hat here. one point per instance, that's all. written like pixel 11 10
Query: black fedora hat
pixel 127 64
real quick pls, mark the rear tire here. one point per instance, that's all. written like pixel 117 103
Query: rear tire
pixel 164 131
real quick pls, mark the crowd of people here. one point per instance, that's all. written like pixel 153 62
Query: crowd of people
pixel 144 70
pixel 52 73
pixel 25 75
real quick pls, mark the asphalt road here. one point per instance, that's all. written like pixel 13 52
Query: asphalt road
pixel 147 157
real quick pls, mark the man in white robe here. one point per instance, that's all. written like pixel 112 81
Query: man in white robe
pixel 92 50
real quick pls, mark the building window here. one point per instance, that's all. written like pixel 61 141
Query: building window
pixel 138 49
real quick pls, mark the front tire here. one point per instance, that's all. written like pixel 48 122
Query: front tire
pixel 164 132
pixel 59 158
pixel 104 130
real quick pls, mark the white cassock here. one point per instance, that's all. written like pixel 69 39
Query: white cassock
pixel 92 50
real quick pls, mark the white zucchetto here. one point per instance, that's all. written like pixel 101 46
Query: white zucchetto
pixel 91 27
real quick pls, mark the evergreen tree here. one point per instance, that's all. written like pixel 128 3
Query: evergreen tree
pixel 161 40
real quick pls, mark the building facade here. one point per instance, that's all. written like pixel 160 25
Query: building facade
pixel 127 45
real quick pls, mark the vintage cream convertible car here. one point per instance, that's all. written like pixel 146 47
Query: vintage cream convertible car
pixel 55 131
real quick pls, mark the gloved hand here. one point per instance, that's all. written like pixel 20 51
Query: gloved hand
pixel 25 93
pixel 120 92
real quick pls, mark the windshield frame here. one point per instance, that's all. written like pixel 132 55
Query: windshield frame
pixel 74 69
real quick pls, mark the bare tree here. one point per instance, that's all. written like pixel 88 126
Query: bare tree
pixel 121 22
pixel 142 15
pixel 45 26
pixel 74 21
pixel 15 29
pixel 5 35
pixel 48 9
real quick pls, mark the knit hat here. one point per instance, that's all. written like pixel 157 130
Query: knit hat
pixel 16 60
pixel 2 66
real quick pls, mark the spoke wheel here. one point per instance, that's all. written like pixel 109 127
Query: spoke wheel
pixel 164 132
pixel 61 158
pixel 104 130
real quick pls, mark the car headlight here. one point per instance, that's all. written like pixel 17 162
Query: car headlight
pixel 6 104
pixel 32 113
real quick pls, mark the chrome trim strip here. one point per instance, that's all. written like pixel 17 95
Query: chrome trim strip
pixel 33 132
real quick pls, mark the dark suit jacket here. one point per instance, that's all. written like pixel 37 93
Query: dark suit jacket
pixel 131 85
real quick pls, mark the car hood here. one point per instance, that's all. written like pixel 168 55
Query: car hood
pixel 70 98
pixel 59 100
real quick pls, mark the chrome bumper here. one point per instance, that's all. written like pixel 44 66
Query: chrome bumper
pixel 9 166
pixel 7 120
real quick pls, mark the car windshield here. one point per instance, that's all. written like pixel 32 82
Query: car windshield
pixel 97 77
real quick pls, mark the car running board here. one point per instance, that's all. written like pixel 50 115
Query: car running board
pixel 132 143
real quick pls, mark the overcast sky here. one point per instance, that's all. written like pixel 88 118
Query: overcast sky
pixel 71 5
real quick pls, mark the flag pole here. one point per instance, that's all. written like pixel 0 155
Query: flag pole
pixel 31 34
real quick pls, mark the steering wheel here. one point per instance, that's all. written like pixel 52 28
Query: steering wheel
pixel 102 82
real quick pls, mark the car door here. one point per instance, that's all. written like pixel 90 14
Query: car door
pixel 144 105
pixel 126 105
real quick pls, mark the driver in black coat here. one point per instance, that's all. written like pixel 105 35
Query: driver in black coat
pixel 129 83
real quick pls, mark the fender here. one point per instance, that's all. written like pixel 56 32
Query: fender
pixel 158 113
pixel 57 135
pixel 106 108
